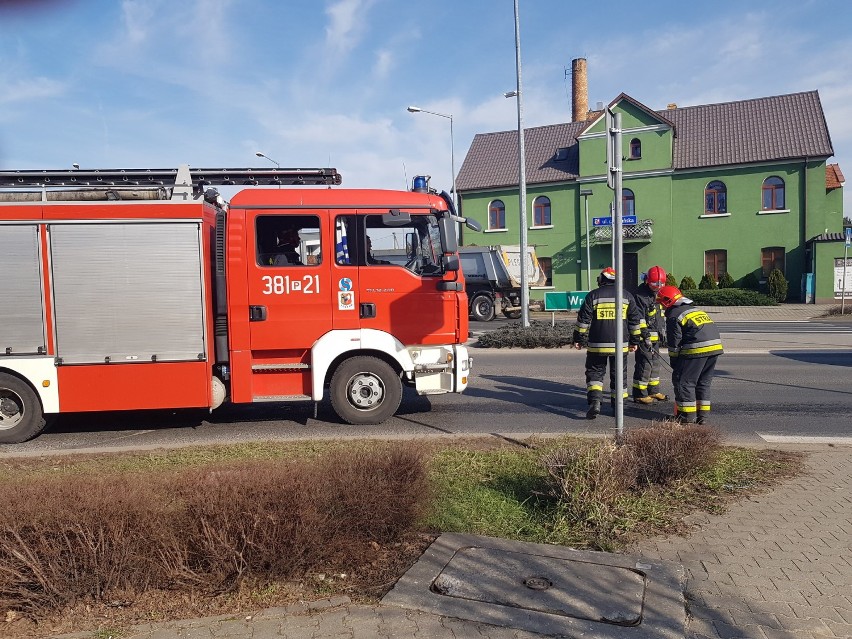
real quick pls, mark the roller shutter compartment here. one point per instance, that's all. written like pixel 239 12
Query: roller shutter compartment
pixel 128 292
pixel 21 309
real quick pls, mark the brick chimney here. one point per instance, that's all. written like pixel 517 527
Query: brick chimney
pixel 579 90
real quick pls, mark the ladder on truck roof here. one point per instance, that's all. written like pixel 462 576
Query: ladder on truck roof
pixel 180 183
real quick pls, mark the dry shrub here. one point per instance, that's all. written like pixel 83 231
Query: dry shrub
pixel 74 537
pixel 589 478
pixel 61 539
pixel 667 452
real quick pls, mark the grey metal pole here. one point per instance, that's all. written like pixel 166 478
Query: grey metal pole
pixel 522 180
pixel 843 288
pixel 588 247
pixel 453 166
pixel 619 277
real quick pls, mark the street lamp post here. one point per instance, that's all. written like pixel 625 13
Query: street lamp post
pixel 585 193
pixel 522 176
pixel 416 109
pixel 263 155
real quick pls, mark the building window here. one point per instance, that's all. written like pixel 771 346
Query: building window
pixel 496 215
pixel 715 198
pixel 773 194
pixel 771 258
pixel 546 266
pixel 716 263
pixel 635 149
pixel 628 202
pixel 541 211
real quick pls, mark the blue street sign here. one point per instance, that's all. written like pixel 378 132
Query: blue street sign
pixel 848 236
pixel 627 220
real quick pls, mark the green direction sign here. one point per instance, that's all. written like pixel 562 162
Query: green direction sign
pixel 564 300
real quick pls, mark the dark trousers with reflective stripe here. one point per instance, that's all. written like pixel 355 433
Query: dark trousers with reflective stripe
pixel 646 372
pixel 596 371
pixel 691 379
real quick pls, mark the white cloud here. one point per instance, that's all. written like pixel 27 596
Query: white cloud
pixel 347 22
pixel 37 88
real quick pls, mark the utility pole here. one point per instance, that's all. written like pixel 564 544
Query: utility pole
pixel 614 181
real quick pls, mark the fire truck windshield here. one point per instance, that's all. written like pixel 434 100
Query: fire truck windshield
pixel 415 245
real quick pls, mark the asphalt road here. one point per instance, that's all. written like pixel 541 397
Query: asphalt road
pixel 797 385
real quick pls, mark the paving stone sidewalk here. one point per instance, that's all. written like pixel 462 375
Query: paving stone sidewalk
pixel 778 565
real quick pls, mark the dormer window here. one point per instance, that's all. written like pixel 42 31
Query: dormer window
pixel 635 149
pixel 561 154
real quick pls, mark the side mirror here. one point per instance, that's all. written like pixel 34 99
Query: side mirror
pixel 447 229
pixel 473 225
pixel 451 262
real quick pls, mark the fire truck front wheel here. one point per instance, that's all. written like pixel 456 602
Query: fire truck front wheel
pixel 365 390
pixel 21 416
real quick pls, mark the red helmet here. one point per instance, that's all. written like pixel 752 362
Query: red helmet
pixel 607 275
pixel 655 278
pixel 668 295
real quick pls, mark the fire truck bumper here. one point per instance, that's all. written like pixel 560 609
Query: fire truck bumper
pixel 442 369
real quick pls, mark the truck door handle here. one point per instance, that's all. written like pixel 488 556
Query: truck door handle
pixel 367 310
pixel 257 313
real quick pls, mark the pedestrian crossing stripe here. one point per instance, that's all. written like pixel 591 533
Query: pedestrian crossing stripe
pixel 805 439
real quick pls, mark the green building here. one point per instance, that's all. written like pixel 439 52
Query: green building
pixel 739 187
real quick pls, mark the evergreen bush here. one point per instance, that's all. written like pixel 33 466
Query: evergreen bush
pixel 707 283
pixel 687 284
pixel 726 281
pixel 670 280
pixel 730 297
pixel 777 285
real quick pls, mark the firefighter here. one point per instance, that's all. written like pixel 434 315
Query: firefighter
pixel 646 370
pixel 694 346
pixel 287 241
pixel 595 331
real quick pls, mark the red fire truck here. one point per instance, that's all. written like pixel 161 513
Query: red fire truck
pixel 144 289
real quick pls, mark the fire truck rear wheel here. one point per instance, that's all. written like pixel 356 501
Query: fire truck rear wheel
pixel 482 308
pixel 21 416
pixel 365 390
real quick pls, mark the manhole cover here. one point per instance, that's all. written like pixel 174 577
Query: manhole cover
pixel 538 583
pixel 583 590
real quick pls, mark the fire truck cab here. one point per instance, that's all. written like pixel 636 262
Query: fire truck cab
pixel 143 289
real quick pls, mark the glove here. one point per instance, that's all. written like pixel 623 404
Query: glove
pixel 580 338
pixel 635 340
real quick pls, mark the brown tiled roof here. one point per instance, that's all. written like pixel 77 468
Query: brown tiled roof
pixel 781 127
pixel 492 160
pixel 759 130
pixel 833 176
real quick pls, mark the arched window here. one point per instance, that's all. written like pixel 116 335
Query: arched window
pixel 773 194
pixel 496 215
pixel 541 211
pixel 715 198
pixel 628 202
pixel 635 149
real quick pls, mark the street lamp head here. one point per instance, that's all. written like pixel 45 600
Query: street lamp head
pixel 510 94
pixel 414 109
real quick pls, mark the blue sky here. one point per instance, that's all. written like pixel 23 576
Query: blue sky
pixel 157 83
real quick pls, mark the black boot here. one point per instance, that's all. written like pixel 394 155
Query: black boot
pixel 701 420
pixel 594 409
